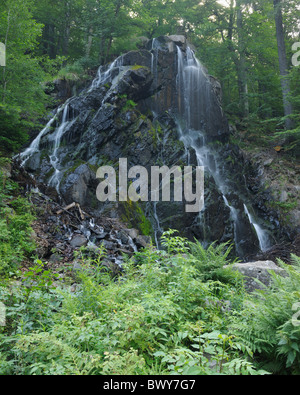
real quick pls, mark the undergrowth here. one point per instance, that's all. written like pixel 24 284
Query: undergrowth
pixel 16 243
pixel 180 310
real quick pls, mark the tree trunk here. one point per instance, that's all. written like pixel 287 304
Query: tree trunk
pixel 89 42
pixel 110 39
pixel 66 37
pixel 242 68
pixel 4 68
pixel 49 41
pixel 102 50
pixel 240 58
pixel 283 67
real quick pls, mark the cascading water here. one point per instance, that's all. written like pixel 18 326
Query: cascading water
pixel 157 228
pixel 54 157
pixel 195 120
pixel 194 98
pixel 263 238
pixel 103 77
pixel 58 134
pixel 113 74
pixel 35 144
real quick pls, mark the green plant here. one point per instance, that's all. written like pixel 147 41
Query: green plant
pixel 39 279
pixel 266 322
pixel 213 353
pixel 15 231
pixel 157 317
pixel 129 105
pixel 128 363
pixel 210 262
pixel 174 244
pixel 134 215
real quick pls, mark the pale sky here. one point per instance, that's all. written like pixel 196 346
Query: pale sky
pixel 224 2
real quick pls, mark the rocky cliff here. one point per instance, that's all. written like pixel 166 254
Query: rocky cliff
pixel 154 106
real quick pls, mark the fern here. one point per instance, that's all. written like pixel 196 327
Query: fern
pixel 43 353
pixel 210 262
pixel 266 324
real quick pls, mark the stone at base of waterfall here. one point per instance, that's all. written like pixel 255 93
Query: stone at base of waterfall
pixel 78 241
pixel 143 241
pixel 259 270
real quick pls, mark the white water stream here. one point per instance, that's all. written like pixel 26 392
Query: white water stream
pixel 263 238
pixel 194 103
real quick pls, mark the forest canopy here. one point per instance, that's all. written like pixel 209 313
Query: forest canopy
pixel 247 45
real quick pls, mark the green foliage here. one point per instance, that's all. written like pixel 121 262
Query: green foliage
pixel 22 95
pixel 175 244
pixel 290 137
pixel 37 278
pixel 134 216
pixel 210 262
pixel 214 349
pixel 13 131
pixel 129 363
pixel 269 324
pixel 129 105
pixel 15 231
pixel 77 70
pixel 159 317
pixel 127 325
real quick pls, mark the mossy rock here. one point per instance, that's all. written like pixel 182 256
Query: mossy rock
pixel 133 214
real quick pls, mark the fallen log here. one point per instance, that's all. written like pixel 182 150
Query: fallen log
pixel 72 205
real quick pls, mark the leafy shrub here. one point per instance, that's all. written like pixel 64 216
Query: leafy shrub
pixel 158 317
pixel 267 323
pixel 15 231
pixel 13 130
pixel 210 262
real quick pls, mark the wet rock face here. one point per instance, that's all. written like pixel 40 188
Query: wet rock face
pixel 78 185
pixel 132 110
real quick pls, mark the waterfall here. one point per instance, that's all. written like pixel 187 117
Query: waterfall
pixel 194 95
pixel 112 75
pixel 104 77
pixel 57 135
pixel 195 121
pixel 35 144
pixel 194 91
pixel 235 218
pixel 157 230
pixel 194 99
pixel 54 157
pixel 263 238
